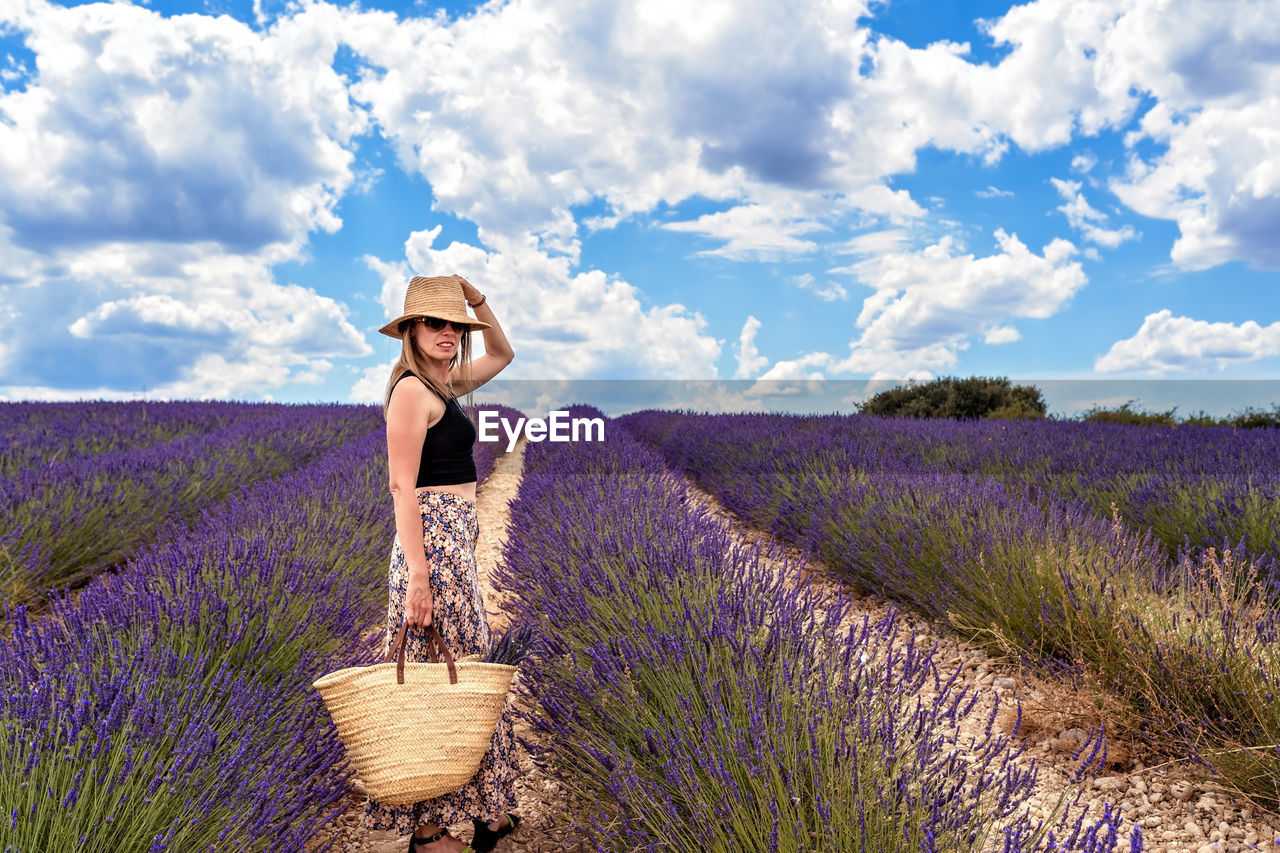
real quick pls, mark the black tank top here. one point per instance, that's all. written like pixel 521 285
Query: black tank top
pixel 446 451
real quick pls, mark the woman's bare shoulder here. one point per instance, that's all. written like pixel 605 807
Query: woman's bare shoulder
pixel 411 399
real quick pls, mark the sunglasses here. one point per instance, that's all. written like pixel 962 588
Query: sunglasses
pixel 435 324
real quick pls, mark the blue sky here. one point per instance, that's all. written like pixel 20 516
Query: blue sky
pixel 217 198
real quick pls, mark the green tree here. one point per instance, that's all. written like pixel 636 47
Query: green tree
pixel 1126 414
pixel 954 397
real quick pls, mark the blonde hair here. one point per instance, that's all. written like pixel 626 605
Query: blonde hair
pixel 414 362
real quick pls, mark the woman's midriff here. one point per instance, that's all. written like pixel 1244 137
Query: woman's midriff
pixel 462 490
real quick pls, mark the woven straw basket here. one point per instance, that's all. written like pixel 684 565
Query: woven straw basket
pixel 418 730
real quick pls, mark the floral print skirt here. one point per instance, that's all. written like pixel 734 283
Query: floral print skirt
pixel 450 528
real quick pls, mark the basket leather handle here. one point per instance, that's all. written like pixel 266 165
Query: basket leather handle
pixel 434 642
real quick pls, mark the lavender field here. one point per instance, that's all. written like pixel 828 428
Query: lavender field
pixel 165 702
pixel 699 701
pixel 67 515
pixel 176 576
pixel 1145 556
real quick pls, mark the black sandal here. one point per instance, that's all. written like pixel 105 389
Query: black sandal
pixel 415 840
pixel 486 839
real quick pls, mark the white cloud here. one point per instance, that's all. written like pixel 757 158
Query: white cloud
pixel 521 111
pixel 797 368
pixel 1001 335
pixel 313 372
pixel 366 179
pixel 1213 72
pixel 751 232
pixel 1168 344
pixel 271 315
pixel 927 304
pixel 1083 162
pixel 993 192
pixel 151 175
pixel 872 243
pixel 371 385
pixel 772 229
pixel 180 315
pixel 395 276
pixel 60 395
pixel 182 129
pixel 563 324
pixel 154 314
pixel 831 291
pixel 1087 220
pixel 1079 67
pixel 214 376
pixel 749 359
pixel 13 71
pixel 1219 180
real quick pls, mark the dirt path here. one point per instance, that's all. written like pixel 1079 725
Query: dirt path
pixel 542 829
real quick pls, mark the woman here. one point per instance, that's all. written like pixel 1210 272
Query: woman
pixel 433 566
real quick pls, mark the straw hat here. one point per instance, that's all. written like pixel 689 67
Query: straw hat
pixel 434 296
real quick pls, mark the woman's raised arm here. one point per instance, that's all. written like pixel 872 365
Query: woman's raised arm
pixel 497 349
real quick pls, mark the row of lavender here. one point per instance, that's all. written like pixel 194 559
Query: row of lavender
pixel 694 700
pixel 1202 484
pixel 62 522
pixel 1194 485
pixel 34 434
pixel 168 706
pixel 1193 643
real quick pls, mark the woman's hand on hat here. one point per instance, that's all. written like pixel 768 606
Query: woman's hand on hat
pixel 469 291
